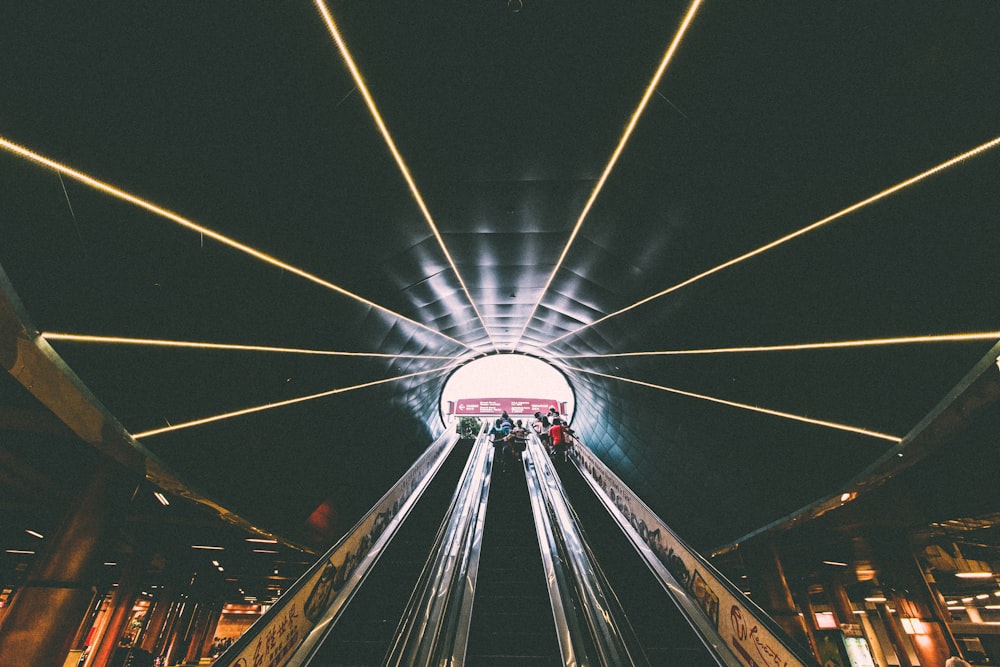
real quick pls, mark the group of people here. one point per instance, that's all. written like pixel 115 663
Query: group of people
pixel 510 438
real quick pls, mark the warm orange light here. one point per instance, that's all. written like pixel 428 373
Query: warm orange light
pixel 359 81
pixel 118 193
pixel 119 340
pixel 279 404
pixel 753 408
pixel 788 237
pixel 650 89
pixel 871 342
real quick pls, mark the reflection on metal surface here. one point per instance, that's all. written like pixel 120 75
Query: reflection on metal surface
pixel 118 340
pixel 359 81
pixel 290 630
pixel 982 148
pixel 753 408
pixel 279 404
pixel 591 624
pixel 435 626
pixel 118 193
pixel 871 342
pixel 715 608
pixel 650 89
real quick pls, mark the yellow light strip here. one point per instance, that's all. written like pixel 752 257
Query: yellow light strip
pixel 108 189
pixel 650 90
pixel 279 404
pixel 359 81
pixel 118 340
pixel 805 230
pixel 753 408
pixel 871 342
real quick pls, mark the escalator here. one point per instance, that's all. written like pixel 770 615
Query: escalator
pixel 512 621
pixel 365 631
pixel 662 630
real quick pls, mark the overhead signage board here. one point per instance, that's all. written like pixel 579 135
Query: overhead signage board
pixel 515 407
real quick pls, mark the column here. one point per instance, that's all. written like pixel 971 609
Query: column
pixel 122 602
pixel 152 635
pixel 770 587
pixel 55 598
pixel 181 633
pixel 208 618
pixel 912 597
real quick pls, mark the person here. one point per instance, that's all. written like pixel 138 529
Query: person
pixel 541 425
pixel 557 436
pixel 955 661
pixel 505 423
pixel 497 436
pixel 518 439
pixel 496 432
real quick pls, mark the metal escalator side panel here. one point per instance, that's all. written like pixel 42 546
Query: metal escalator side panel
pixel 289 631
pixel 722 617
pixel 434 628
pixel 587 602
pixel 571 645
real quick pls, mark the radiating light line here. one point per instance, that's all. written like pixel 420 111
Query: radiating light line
pixel 279 404
pixel 871 342
pixel 108 189
pixel 359 81
pixel 753 408
pixel 788 237
pixel 650 90
pixel 118 340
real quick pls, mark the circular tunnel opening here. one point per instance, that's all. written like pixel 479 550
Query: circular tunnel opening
pixel 517 383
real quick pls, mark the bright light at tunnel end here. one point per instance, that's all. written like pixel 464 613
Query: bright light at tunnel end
pixel 507 376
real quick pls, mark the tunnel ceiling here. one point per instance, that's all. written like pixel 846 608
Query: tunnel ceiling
pixel 245 121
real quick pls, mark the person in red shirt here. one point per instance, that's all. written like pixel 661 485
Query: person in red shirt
pixel 557 436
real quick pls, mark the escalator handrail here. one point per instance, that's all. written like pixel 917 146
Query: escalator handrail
pixel 591 625
pixel 286 634
pixel 435 625
pixel 748 624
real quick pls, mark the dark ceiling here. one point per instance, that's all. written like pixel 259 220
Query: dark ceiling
pixel 244 119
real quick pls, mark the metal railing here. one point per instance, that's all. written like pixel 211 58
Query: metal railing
pixel 435 625
pixel 592 626
pixel 733 629
pixel 291 630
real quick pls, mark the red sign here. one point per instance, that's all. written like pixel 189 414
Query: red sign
pixel 515 407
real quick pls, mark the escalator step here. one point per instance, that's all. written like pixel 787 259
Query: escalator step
pixel 511 619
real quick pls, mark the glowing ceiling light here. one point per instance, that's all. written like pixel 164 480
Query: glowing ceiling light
pixel 650 89
pixel 118 193
pixel 359 81
pixel 119 340
pixel 788 237
pixel 279 404
pixel 752 408
pixel 261 540
pixel 207 547
pixel 162 498
pixel 35 533
pixel 871 342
